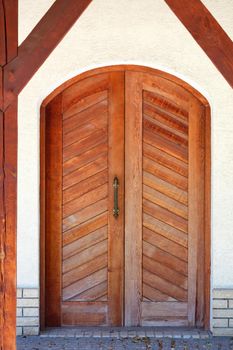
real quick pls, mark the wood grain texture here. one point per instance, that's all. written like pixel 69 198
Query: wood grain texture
pixel 164 197
pixel 84 229
pixel 206 285
pixel 152 313
pixel 42 215
pixel 165 219
pixel 164 258
pixel 84 186
pixel 85 313
pixel 116 158
pixel 207 32
pixel 40 43
pixel 95 237
pixel 8 180
pixel 2 35
pixel 196 202
pixel 133 202
pixel 93 154
pixel 164 272
pixel 53 212
pixel 172 200
pixel 85 129
pixel 164 309
pixel 89 267
pixel 124 67
pixel 8 211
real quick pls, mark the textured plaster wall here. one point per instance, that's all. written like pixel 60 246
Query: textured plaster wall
pixel 126 31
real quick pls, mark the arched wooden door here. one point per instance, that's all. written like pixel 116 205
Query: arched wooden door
pixel 125 178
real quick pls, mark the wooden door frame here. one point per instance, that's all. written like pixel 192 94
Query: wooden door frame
pixel 207 181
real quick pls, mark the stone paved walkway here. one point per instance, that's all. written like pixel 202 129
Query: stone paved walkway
pixel 134 343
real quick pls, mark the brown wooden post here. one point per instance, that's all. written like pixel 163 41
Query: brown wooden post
pixel 8 180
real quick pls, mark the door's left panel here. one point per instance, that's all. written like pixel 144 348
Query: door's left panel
pixel 87 292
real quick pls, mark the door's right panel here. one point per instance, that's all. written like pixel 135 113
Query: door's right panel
pixel 165 209
pixel 172 201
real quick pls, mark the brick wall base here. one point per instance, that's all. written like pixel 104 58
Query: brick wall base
pixel 223 312
pixel 28 312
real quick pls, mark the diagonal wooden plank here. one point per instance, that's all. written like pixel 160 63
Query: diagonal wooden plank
pixel 84 117
pixel 84 256
pixel 164 286
pixel 164 187
pixel 165 244
pixel 83 131
pixel 165 230
pixel 165 216
pixel 165 201
pixel 85 228
pixel 98 292
pixel 85 270
pixel 75 93
pixel 85 242
pixel 165 174
pixel 165 118
pixel 83 145
pixel 73 178
pixel 165 258
pixel 153 126
pixel 84 158
pixel 207 32
pixel 165 145
pixel 84 201
pixel 86 102
pixel 153 294
pixel 85 214
pixel 164 99
pixel 40 43
pixel 165 159
pixel 165 272
pixel 85 186
pixel 84 284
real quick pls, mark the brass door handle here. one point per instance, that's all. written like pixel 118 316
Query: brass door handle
pixel 115 187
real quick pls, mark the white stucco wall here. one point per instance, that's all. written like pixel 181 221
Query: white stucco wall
pixel 138 32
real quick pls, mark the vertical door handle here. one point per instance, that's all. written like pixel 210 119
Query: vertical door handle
pixel 115 187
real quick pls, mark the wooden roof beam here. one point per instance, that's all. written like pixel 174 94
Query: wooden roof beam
pixel 40 43
pixel 207 32
pixel 8 30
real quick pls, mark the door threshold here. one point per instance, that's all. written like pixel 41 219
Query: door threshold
pixel 126 332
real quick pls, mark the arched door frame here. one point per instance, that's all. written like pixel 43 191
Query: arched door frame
pixel 207 180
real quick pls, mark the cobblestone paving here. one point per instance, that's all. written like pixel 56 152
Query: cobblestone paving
pixel 135 343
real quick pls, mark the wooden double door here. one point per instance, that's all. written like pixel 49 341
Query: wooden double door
pixel 125 202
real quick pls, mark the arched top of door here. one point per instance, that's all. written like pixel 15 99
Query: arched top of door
pixel 126 67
